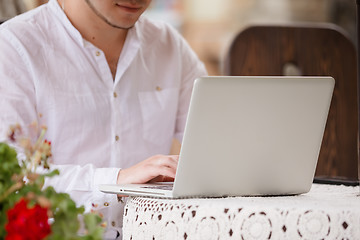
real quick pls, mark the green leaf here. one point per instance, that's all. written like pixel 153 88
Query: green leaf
pixel 92 222
pixel 9 163
pixel 65 213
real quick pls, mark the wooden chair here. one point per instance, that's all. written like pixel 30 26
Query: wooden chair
pixel 309 50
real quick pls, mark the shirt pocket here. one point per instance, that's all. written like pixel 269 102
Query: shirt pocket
pixel 158 111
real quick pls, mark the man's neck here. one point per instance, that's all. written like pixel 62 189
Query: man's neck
pixel 95 30
pixel 91 27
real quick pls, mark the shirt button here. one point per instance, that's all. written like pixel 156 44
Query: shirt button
pixel 158 88
pixel 106 204
pixel 116 138
pixel 113 223
pixel 115 95
pixel 97 53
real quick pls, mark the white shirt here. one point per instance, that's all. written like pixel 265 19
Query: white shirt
pixel 96 124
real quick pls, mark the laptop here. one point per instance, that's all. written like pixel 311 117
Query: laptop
pixel 247 136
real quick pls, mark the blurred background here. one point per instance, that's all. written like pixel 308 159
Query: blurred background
pixel 209 26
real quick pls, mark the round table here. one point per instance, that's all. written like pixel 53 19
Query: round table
pixel 326 212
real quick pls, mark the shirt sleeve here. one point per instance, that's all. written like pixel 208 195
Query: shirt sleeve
pixel 17 97
pixel 192 68
pixel 82 183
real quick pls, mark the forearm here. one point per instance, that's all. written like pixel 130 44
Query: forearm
pixel 81 183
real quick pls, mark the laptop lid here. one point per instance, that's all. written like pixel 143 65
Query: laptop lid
pixel 251 136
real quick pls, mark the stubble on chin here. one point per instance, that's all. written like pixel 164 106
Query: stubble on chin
pixel 106 20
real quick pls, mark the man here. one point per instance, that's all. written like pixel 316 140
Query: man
pixel 112 87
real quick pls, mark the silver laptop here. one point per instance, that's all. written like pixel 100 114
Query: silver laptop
pixel 247 136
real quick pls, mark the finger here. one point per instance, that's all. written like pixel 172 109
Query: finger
pixel 168 161
pixel 121 196
pixel 175 157
pixel 157 179
pixel 167 179
pixel 162 179
pixel 167 172
pixel 161 173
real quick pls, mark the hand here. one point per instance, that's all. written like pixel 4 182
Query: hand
pixel 155 168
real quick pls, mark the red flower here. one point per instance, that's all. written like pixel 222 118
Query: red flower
pixel 27 223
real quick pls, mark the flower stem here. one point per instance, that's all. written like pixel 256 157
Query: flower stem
pixel 12 189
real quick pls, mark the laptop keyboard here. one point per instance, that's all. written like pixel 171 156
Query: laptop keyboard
pixel 161 186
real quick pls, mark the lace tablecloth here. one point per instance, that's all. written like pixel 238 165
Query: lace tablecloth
pixel 326 212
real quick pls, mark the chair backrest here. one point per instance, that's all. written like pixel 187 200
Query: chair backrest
pixel 309 50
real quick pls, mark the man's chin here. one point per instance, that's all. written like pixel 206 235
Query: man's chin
pixel 120 26
pixel 123 27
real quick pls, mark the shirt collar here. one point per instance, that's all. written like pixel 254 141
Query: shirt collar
pixel 60 14
pixel 129 50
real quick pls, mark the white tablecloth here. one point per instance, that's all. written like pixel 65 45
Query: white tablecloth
pixel 326 212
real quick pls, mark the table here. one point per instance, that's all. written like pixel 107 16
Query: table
pixel 326 212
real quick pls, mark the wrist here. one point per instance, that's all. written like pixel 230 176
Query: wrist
pixel 121 177
pixel 118 176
